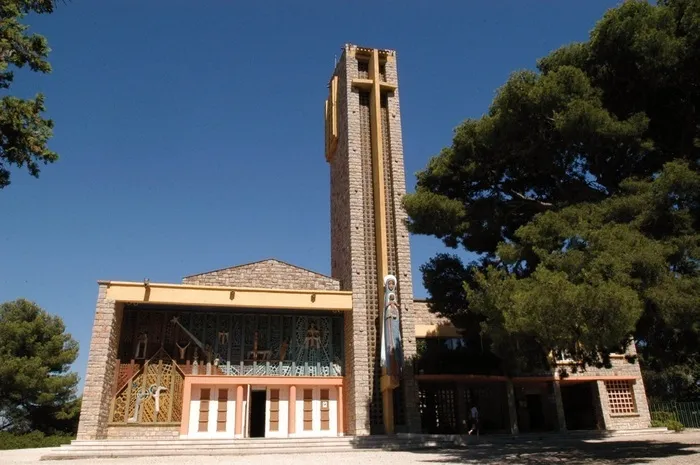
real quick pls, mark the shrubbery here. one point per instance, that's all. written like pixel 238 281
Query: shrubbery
pixel 666 419
pixel 32 440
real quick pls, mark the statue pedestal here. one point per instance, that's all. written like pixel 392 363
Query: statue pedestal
pixel 387 385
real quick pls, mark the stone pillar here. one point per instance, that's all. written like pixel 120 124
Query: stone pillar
pixel 640 398
pixel 102 360
pixel 597 395
pixel 512 408
pixel 559 405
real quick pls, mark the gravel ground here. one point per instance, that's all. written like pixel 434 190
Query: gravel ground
pixel 665 449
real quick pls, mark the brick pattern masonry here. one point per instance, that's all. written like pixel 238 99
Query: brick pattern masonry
pixel 266 274
pixel 102 362
pixel 423 316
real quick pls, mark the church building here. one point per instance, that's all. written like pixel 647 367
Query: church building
pixel 269 349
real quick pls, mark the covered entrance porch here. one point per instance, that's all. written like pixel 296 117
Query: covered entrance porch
pixel 256 407
pixel 187 368
pixel 445 402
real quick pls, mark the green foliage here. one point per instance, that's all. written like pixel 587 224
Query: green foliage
pixel 663 417
pixel 32 440
pixel 24 132
pixel 37 392
pixel 673 425
pixel 579 191
pixel 666 420
pixel 597 268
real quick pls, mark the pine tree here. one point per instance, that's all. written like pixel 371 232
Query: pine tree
pixel 577 190
pixel 24 132
pixel 37 390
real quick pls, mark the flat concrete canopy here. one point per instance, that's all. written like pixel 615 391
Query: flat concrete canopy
pixel 188 294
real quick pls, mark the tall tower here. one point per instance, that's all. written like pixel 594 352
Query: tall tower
pixel 368 233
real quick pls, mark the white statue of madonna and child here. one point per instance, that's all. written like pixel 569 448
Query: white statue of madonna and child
pixel 392 352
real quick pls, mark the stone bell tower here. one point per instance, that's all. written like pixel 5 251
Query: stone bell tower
pixel 368 233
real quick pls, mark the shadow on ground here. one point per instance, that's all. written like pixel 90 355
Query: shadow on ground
pixel 532 450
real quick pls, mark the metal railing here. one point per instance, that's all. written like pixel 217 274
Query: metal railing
pixel 276 368
pixel 687 413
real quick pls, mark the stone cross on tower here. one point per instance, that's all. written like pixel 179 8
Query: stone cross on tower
pixel 375 85
pixel 368 234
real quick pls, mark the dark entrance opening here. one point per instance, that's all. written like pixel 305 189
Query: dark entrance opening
pixel 579 409
pixel 445 407
pixel 535 412
pixel 257 414
pixel 438 408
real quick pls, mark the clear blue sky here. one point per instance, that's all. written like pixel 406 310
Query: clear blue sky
pixel 191 136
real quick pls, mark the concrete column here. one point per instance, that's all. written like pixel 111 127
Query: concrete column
pixel 186 404
pixel 239 412
pixel 341 412
pixel 102 360
pixel 292 417
pixel 512 408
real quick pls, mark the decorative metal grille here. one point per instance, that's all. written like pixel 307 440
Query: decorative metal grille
pixel 388 188
pixel 153 395
pixel 438 409
pixel 237 344
pixel 621 397
pixel 392 250
pixel 371 280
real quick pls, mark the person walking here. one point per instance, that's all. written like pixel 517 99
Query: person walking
pixel 474 414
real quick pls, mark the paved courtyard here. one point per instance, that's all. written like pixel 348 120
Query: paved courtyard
pixel 663 449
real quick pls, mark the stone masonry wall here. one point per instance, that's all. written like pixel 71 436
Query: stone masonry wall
pixel 94 413
pixel 356 337
pixel 341 263
pixel 423 316
pixel 403 250
pixel 621 367
pixel 143 432
pixel 344 237
pixel 266 274
pixel 639 420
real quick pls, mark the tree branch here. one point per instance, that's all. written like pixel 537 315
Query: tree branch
pixel 6 425
pixel 529 199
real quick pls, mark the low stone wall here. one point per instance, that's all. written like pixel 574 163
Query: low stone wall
pixel 143 432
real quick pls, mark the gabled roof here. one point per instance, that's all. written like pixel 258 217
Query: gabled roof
pixel 273 261
pixel 268 274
